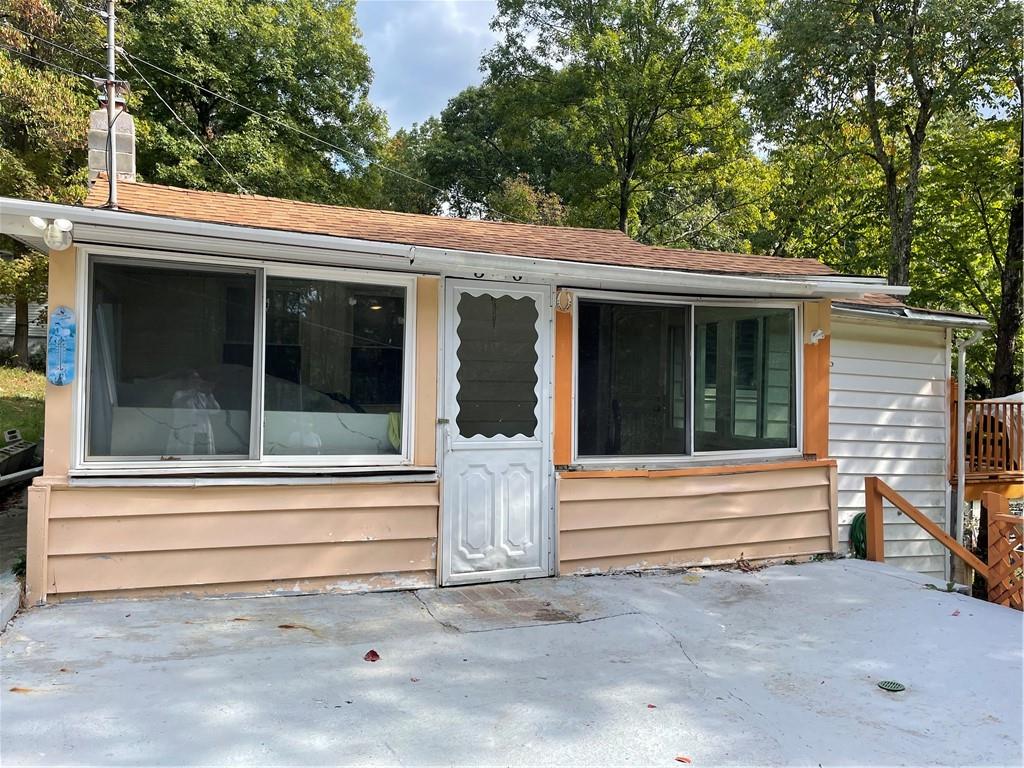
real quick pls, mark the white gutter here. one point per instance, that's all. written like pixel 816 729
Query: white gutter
pixel 106 227
pixel 916 316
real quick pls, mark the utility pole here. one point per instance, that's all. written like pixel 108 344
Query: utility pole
pixel 111 107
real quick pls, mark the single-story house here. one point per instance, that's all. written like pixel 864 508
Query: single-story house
pixel 274 396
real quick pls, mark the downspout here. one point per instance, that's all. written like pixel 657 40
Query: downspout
pixel 961 439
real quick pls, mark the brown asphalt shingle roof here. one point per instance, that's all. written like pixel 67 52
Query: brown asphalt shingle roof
pixel 599 246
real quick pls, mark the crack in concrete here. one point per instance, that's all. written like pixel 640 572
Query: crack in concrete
pixel 446 625
pixel 678 642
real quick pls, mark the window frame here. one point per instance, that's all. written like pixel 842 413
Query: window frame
pixel 690 457
pixel 256 461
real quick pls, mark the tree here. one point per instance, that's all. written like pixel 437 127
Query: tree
pixel 642 86
pixel 298 61
pixel 398 183
pixel 44 114
pixel 518 200
pixel 871 75
pixel 963 260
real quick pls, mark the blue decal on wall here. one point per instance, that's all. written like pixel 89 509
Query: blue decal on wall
pixel 60 347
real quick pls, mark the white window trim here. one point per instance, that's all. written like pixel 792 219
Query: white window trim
pixel 257 463
pixel 695 458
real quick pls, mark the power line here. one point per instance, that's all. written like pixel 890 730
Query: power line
pixel 90 78
pixel 349 153
pixel 54 44
pixel 131 59
pixel 185 125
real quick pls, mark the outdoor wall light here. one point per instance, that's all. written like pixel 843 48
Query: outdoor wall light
pixel 817 335
pixel 56 233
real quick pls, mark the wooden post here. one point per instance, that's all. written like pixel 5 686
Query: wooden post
pixel 875 523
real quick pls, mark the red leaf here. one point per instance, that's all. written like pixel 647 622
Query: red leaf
pixel 371 655
pixel 652 706
pixel 683 759
pixel 955 613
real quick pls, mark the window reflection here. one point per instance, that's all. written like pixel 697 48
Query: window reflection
pixel 170 369
pixel 334 368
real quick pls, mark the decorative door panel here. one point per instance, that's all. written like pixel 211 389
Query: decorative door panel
pixel 496 468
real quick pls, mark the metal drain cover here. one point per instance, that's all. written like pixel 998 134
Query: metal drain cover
pixel 892 686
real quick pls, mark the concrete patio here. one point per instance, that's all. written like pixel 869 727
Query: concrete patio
pixel 777 667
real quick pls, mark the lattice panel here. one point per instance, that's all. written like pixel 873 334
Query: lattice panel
pixel 1005 557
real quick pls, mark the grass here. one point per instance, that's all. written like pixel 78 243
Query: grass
pixel 21 402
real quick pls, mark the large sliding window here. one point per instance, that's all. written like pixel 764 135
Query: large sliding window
pixel 657 380
pixel 221 364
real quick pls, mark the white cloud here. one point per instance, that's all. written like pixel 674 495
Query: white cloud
pixel 423 52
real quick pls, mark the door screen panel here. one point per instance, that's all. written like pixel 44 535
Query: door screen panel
pixel 497 366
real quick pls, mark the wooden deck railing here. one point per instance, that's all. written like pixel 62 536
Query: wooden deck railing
pixel 1002 572
pixel 994 439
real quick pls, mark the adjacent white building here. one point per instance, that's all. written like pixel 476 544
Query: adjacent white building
pixel 889 416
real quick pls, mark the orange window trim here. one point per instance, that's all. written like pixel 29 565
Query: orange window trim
pixel 563 389
pixel 730 469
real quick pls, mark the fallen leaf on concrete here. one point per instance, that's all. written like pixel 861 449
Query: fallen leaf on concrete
pixel 63 669
pixel 683 759
pixel 371 655
pixel 745 565
pixel 241 618
pixel 295 626
pixel 414 679
pixel 955 613
pixel 19 689
pixel 652 706
pixel 691 578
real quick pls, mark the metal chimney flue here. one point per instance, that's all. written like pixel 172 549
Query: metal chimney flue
pixel 124 142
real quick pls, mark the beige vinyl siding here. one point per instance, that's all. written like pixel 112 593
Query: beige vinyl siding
pixel 206 539
pixel 614 522
pixel 888 417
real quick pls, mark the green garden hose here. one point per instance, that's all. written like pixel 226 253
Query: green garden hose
pixel 859 536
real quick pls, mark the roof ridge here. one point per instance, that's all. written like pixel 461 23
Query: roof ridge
pixel 431 216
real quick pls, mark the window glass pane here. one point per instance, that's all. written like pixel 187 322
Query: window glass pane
pixel 745 375
pixel 633 372
pixel 497 373
pixel 170 362
pixel 334 366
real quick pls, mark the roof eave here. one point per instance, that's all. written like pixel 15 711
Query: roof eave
pixel 915 316
pixel 95 226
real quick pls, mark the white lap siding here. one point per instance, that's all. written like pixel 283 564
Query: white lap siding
pixel 888 418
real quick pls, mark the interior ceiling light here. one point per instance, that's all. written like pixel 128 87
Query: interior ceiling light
pixel 56 233
pixel 375 305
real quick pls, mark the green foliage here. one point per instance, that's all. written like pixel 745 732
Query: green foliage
pixel 44 113
pixel 640 92
pixel 966 198
pixel 298 61
pixel 518 200
pixel 866 80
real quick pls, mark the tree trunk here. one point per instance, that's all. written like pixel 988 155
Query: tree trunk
pixel 899 236
pixel 1011 304
pixel 624 205
pixel 21 331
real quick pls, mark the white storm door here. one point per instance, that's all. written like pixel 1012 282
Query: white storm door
pixel 496 470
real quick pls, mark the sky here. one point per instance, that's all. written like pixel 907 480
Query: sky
pixel 423 52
